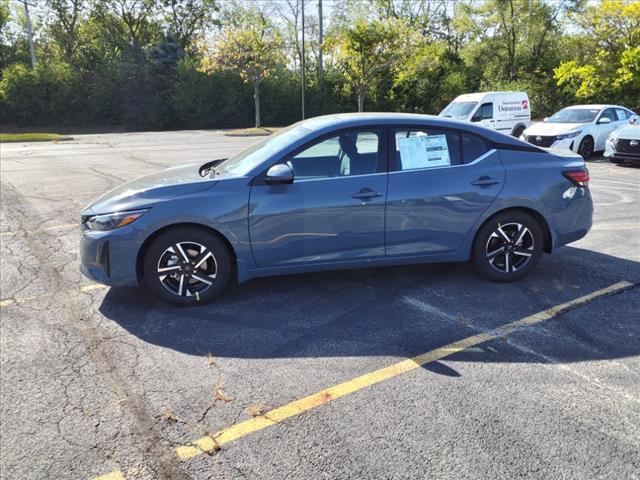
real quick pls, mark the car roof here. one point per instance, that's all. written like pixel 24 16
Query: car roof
pixel 346 120
pixel 599 106
pixel 477 96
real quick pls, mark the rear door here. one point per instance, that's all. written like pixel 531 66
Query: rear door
pixel 440 183
pixel 333 210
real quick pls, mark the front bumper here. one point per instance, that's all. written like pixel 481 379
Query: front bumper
pixel 110 257
pixel 628 155
pixel 551 142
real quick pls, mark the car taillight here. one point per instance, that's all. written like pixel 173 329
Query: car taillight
pixel 580 178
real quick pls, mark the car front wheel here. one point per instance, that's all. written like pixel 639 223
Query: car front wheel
pixel 187 266
pixel 507 247
pixel 585 149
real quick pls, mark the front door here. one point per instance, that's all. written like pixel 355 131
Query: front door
pixel 441 184
pixel 333 210
pixel 603 130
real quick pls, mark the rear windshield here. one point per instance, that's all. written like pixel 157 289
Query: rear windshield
pixel 458 110
pixel 574 115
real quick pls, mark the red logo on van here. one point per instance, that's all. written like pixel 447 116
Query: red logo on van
pixel 525 104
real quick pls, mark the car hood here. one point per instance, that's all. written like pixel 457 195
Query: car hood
pixel 627 132
pixel 550 129
pixel 150 189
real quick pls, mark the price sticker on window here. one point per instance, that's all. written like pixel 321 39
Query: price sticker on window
pixel 424 152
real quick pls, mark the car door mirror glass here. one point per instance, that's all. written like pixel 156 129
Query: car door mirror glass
pixel 279 174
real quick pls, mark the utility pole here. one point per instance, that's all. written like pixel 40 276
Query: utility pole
pixel 29 33
pixel 302 61
pixel 320 39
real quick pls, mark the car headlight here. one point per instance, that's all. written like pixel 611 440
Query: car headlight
pixel 568 135
pixel 613 140
pixel 110 221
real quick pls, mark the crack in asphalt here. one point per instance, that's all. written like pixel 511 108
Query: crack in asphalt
pixel 158 456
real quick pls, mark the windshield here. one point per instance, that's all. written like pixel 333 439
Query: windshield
pixel 459 109
pixel 574 115
pixel 242 163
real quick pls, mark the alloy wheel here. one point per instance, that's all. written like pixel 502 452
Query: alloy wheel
pixel 510 247
pixel 187 269
pixel 586 147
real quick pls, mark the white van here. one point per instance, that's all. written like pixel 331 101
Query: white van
pixel 507 112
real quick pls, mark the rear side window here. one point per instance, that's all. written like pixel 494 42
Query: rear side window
pixel 622 114
pixel 472 147
pixel 421 148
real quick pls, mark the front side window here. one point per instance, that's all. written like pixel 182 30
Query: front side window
pixel 347 154
pixel 486 111
pixel 610 114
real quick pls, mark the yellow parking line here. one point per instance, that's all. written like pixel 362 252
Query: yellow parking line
pixel 278 415
pixel 44 229
pixel 116 475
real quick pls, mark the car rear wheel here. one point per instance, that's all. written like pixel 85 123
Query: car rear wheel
pixel 507 247
pixel 585 149
pixel 187 266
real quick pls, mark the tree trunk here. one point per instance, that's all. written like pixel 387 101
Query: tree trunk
pixel 256 97
pixel 361 93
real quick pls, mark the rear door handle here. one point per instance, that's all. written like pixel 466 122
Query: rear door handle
pixel 366 194
pixel 485 181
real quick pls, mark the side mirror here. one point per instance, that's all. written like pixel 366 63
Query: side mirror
pixel 545 119
pixel 280 174
pixel 634 120
pixel 476 118
pixel 604 120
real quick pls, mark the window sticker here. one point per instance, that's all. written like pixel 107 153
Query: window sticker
pixel 424 152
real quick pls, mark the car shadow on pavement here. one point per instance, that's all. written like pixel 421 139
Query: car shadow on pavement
pixel 400 312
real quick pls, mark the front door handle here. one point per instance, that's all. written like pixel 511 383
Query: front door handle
pixel 366 194
pixel 485 181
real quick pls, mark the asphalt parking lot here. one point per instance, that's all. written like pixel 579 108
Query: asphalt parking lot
pixel 107 383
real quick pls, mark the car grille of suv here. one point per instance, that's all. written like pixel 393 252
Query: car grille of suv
pixel 624 146
pixel 540 141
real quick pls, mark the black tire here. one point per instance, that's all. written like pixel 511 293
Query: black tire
pixel 518 131
pixel 517 259
pixel 183 279
pixel 585 149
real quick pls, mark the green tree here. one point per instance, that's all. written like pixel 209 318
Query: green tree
pixel 608 69
pixel 253 48
pixel 365 51
pixel 64 28
pixel 188 19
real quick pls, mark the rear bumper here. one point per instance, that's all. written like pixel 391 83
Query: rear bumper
pixel 574 222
